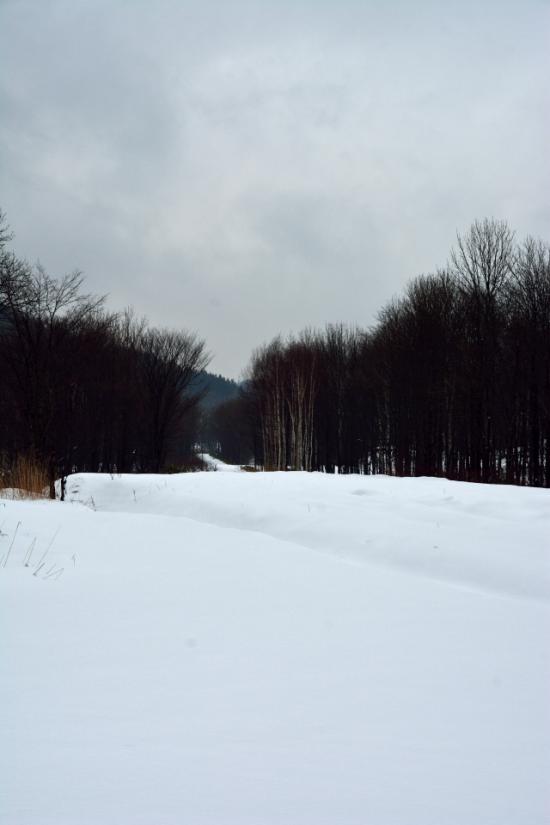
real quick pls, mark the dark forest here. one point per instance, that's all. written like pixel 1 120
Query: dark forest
pixel 453 380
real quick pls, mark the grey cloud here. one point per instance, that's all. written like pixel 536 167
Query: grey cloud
pixel 254 167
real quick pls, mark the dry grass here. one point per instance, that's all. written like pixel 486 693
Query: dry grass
pixel 27 478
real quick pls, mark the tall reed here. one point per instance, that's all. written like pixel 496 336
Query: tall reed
pixel 27 478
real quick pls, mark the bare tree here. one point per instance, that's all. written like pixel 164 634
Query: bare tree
pixel 41 314
pixel 169 361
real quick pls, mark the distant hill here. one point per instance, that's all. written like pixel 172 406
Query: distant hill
pixel 218 389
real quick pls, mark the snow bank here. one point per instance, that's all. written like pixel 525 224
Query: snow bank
pixel 489 537
pixel 215 668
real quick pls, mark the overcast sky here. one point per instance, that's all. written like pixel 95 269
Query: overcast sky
pixel 248 168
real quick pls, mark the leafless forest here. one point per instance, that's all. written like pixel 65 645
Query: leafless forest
pixel 453 379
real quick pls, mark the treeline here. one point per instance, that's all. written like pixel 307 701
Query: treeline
pixel 453 380
pixel 86 389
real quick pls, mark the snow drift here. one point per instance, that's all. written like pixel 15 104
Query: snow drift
pixel 275 648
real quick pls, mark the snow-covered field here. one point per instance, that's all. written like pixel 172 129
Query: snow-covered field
pixel 289 649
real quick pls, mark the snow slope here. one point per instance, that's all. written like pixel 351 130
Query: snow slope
pixel 467 533
pixel 275 648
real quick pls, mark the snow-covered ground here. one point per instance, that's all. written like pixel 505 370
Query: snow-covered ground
pixel 261 649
